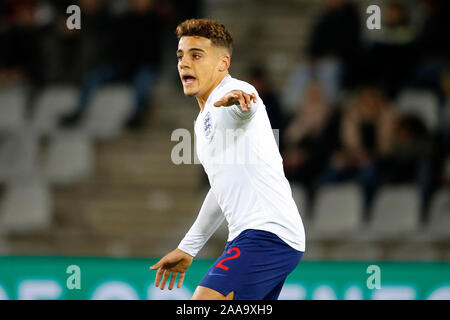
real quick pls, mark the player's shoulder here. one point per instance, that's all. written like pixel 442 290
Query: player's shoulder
pixel 230 84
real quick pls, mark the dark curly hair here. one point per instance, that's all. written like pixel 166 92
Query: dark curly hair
pixel 212 30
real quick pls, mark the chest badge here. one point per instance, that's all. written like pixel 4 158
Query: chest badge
pixel 207 125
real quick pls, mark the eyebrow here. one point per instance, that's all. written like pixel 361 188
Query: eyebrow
pixel 191 49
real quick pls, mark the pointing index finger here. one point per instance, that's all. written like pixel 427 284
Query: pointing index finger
pixel 159 273
pixel 218 103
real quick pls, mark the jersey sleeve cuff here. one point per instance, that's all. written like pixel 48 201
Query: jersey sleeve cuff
pixel 187 250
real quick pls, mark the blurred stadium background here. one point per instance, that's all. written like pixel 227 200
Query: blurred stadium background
pixel 86 118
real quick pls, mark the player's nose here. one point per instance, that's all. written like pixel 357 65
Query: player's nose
pixel 183 63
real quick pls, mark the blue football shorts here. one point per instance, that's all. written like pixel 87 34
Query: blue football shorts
pixel 254 265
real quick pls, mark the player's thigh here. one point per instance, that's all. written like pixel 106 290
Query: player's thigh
pixel 204 293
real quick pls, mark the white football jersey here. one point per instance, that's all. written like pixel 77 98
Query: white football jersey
pixel 240 155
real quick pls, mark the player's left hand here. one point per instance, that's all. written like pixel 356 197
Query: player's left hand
pixel 236 97
pixel 174 263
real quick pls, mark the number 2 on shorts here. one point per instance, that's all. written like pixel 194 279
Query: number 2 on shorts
pixel 220 265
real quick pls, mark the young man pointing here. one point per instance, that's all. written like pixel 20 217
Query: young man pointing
pixel 266 236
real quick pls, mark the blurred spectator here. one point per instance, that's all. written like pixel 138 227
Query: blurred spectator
pixel 445 107
pixel 310 138
pixel 131 52
pixel 95 39
pixel 410 141
pixel 63 48
pixel 24 23
pixel 446 174
pixel 391 53
pixel 258 78
pixel 186 9
pixel 366 139
pixel 436 172
pixel 332 50
pixel 433 44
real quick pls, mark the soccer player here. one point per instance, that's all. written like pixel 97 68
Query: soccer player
pixel 266 236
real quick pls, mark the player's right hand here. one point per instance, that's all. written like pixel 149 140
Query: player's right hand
pixel 172 263
pixel 236 97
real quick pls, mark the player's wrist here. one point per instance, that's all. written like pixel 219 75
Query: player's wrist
pixel 185 253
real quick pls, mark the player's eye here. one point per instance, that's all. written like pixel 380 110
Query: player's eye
pixel 196 56
pixel 179 58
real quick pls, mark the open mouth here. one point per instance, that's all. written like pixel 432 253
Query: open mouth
pixel 188 79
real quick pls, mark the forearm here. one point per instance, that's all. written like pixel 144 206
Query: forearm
pixel 208 220
pixel 240 114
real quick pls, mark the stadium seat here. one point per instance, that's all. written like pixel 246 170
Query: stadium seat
pixel 4 246
pixel 18 154
pixel 337 212
pixel 446 254
pixel 422 103
pixel 51 103
pixel 396 213
pixel 69 158
pixel 414 251
pixel 356 251
pixel 12 105
pixel 301 200
pixel 438 226
pixel 108 111
pixel 315 251
pixel 26 206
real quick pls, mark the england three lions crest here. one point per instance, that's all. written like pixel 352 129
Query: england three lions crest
pixel 207 126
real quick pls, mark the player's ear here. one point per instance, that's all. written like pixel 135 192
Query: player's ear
pixel 224 62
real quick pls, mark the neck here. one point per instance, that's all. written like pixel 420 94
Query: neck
pixel 201 99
